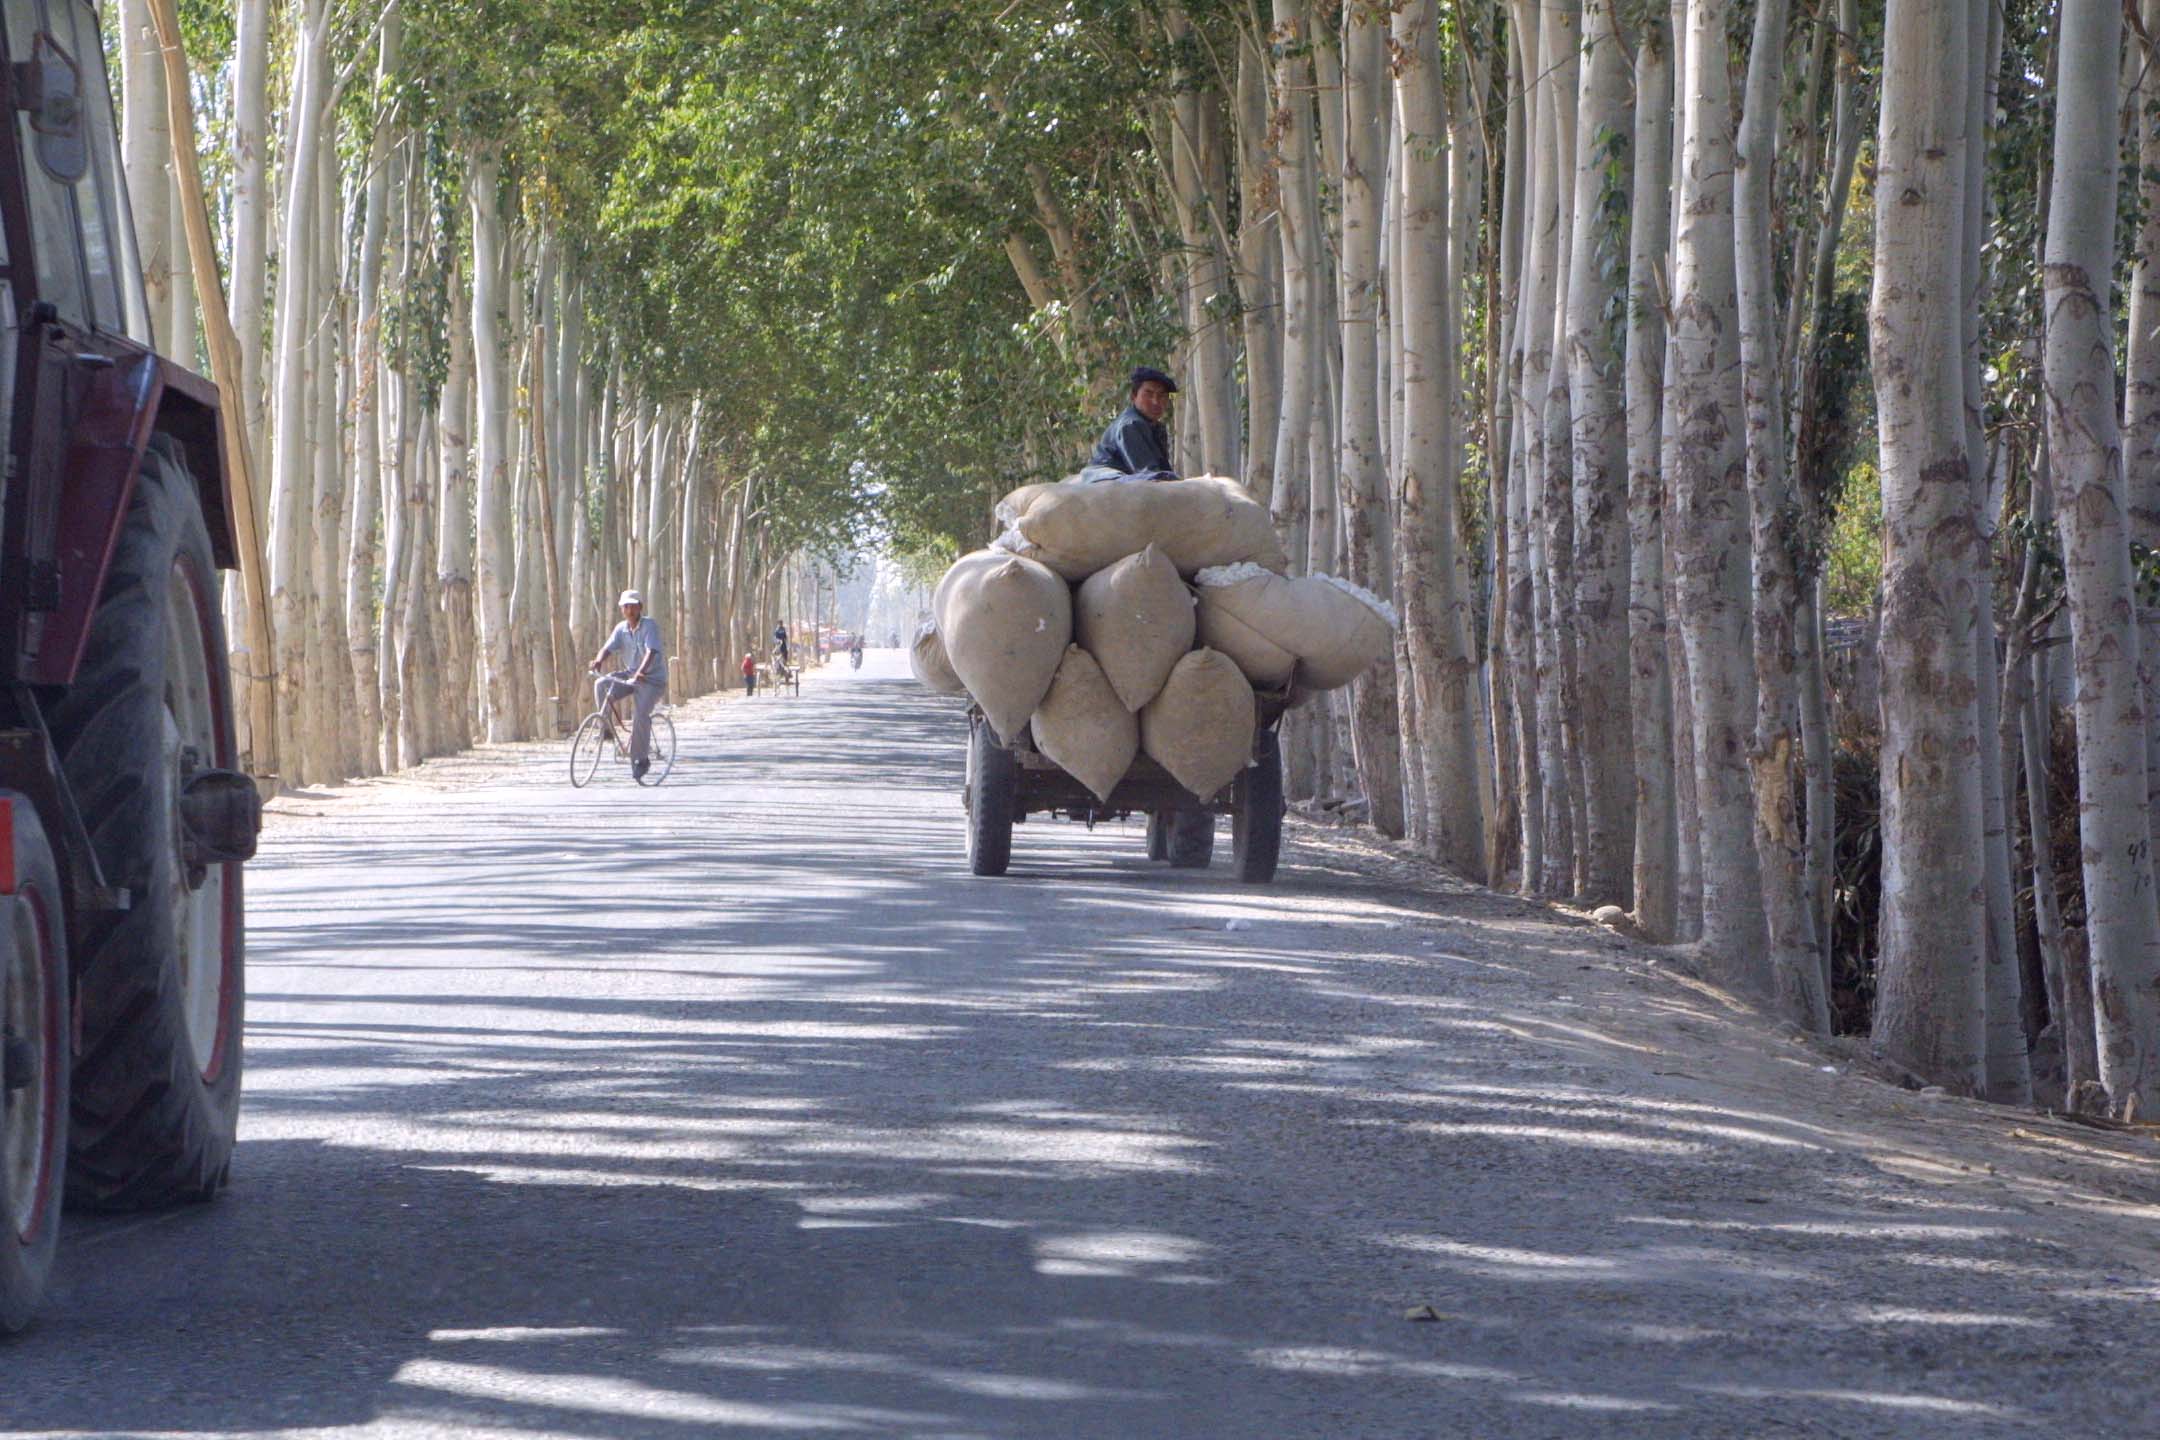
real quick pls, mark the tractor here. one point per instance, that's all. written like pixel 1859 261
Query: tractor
pixel 124 819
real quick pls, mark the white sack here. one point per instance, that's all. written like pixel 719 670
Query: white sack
pixel 1078 529
pixel 1333 628
pixel 1136 619
pixel 1084 727
pixel 932 667
pixel 1200 728
pixel 1005 622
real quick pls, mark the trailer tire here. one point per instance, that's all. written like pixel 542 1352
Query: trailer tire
pixel 1256 823
pixel 1191 839
pixel 992 782
pixel 1158 835
pixel 157 1068
pixel 33 1115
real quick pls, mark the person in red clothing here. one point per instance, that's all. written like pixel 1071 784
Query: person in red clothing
pixel 749 674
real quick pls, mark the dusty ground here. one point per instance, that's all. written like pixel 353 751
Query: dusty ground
pixel 738 1107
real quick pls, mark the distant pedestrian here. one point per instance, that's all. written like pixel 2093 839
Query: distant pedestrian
pixel 749 674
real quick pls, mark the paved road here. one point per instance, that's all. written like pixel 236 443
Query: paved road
pixel 737 1108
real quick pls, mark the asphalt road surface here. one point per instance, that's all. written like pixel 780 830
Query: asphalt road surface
pixel 736 1107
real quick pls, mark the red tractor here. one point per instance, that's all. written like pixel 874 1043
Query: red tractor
pixel 123 820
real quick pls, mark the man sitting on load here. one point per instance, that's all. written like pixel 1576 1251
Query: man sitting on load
pixel 1137 444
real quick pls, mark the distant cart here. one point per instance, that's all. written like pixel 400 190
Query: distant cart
pixel 774 676
pixel 1005 785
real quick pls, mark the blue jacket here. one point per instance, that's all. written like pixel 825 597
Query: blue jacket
pixel 1135 445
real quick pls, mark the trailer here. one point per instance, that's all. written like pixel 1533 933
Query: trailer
pixel 1007 784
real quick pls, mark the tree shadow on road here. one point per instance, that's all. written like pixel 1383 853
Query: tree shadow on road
pixel 876 1148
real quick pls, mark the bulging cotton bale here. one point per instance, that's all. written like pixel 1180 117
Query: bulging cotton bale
pixel 1200 727
pixel 1005 622
pixel 1265 663
pixel 1333 628
pixel 1078 529
pixel 1084 727
pixel 928 660
pixel 1136 618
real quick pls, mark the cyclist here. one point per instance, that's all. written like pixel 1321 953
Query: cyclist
pixel 641 675
pixel 854 653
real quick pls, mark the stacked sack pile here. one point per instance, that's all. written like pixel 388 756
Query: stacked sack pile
pixel 1079 622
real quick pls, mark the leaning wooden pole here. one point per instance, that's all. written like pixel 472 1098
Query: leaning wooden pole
pixel 224 347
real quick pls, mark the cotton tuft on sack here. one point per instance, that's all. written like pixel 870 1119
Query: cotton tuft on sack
pixel 1333 628
pixel 1078 529
pixel 1084 727
pixel 1005 622
pixel 931 665
pixel 1136 618
pixel 1200 727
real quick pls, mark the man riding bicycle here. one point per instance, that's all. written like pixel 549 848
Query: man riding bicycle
pixel 641 674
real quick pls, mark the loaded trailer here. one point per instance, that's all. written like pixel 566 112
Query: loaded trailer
pixel 1006 784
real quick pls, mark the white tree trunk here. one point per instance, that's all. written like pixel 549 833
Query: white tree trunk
pixel 2086 458
pixel 1597 396
pixel 1929 996
pixel 492 460
pixel 1650 690
pixel 1708 511
pixel 1361 477
pixel 1443 668
pixel 1789 970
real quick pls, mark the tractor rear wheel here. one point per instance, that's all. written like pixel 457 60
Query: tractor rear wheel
pixel 33 1068
pixel 157 1070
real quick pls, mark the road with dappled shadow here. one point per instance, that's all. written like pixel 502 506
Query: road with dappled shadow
pixel 736 1107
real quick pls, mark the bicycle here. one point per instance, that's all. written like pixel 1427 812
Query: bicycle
pixel 600 732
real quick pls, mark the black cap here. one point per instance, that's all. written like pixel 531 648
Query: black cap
pixel 1143 373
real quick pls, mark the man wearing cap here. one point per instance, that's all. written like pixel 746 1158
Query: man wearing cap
pixel 640 673
pixel 1137 444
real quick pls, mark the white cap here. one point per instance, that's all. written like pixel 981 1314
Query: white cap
pixel 631 597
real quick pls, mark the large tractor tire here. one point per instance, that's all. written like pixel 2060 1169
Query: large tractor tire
pixel 1256 822
pixel 33 1093
pixel 157 1071
pixel 992 781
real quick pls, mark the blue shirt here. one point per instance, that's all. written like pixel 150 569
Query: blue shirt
pixel 631 646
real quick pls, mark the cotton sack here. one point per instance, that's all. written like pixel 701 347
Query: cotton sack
pixel 928 660
pixel 1200 727
pixel 1078 529
pixel 1333 628
pixel 1005 622
pixel 1084 727
pixel 1136 618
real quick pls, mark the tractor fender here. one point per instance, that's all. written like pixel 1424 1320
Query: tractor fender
pixel 138 396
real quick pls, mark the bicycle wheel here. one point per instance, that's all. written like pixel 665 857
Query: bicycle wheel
pixel 586 747
pixel 659 750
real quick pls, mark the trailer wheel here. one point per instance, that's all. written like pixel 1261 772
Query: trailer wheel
pixel 157 1068
pixel 1158 835
pixel 1191 839
pixel 1256 823
pixel 992 780
pixel 33 1092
